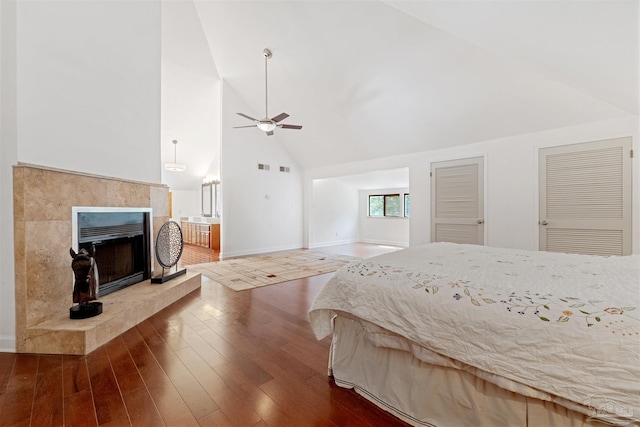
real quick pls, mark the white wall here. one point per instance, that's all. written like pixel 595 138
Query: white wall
pixel 185 203
pixel 88 81
pixel 335 213
pixel 261 210
pixel 8 157
pixel 80 91
pixel 383 230
pixel 511 190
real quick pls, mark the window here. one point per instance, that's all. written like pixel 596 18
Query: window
pixel 406 204
pixel 392 205
pixel 376 205
pixel 385 205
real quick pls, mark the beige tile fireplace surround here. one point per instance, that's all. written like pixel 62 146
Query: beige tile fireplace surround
pixel 42 201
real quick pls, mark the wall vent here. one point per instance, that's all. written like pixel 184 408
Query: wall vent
pixel 285 169
pixel 263 167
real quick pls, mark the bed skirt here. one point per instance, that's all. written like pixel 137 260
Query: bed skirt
pixel 423 394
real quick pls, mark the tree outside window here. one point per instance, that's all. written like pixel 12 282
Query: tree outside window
pixel 376 205
pixel 406 204
pixel 392 205
pixel 385 205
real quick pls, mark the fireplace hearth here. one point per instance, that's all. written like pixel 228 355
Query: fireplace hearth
pixel 43 201
pixel 122 239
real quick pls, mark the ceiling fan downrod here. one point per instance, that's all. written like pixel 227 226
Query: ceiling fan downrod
pixel 267 54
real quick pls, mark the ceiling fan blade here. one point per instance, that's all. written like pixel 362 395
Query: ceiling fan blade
pixel 248 126
pixel 244 115
pixel 280 117
pixel 290 126
pixel 270 133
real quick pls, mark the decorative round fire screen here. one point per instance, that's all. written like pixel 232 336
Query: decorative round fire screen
pixel 169 244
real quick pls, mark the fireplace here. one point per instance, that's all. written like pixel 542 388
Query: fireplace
pixel 123 242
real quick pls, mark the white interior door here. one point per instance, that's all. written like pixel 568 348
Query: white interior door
pixel 585 198
pixel 457 201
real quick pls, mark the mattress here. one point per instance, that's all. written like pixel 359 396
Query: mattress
pixel 556 327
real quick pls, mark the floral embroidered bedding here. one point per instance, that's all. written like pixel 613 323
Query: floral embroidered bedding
pixel 558 327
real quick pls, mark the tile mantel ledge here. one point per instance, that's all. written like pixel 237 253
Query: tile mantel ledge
pixel 90 175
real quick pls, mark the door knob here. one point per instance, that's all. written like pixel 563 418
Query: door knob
pixel 544 222
pixel 480 221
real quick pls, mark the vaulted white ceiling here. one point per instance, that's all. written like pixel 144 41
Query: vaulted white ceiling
pixel 371 79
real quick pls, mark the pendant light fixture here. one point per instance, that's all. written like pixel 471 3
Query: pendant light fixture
pixel 175 166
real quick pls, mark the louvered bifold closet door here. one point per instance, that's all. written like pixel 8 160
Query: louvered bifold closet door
pixel 457 201
pixel 585 198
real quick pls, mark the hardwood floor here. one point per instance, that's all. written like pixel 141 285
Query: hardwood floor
pixel 214 358
pixel 192 254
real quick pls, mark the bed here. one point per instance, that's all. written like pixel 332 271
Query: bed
pixel 464 335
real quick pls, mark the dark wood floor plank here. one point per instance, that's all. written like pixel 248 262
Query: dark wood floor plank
pixel 169 334
pixel 192 393
pixel 140 406
pixel 201 314
pixel 110 407
pixel 291 398
pixel 6 366
pixel 293 395
pixel 192 320
pixel 230 345
pixel 212 311
pixel 172 408
pixel 48 396
pixel 124 369
pixel 236 409
pixel 236 380
pixel 149 334
pixel 145 362
pixel 187 385
pixel 142 409
pixel 217 419
pixel 304 351
pixel 207 377
pixel 349 405
pixel 18 401
pixel 202 346
pixel 79 408
pixel 256 398
pixel 274 356
pixel 75 375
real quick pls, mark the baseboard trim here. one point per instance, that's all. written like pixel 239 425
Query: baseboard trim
pixel 332 243
pixel 7 344
pixel 385 242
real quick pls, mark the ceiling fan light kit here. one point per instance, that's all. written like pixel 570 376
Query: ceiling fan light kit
pixel 268 125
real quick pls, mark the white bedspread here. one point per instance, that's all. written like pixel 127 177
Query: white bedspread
pixel 566 326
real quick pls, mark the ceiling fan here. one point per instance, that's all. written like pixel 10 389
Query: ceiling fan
pixel 267 124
